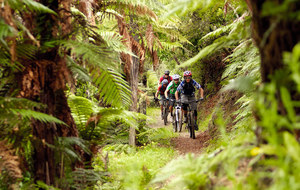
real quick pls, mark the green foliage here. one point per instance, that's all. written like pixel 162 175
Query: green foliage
pixel 29 5
pixel 101 124
pixel 113 88
pixel 12 108
pixel 134 170
pixel 152 81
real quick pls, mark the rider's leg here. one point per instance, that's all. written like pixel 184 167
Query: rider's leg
pixel 161 107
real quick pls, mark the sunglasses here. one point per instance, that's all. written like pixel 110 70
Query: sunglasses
pixel 176 79
pixel 187 77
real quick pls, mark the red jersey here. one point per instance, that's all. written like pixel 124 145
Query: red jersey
pixel 163 77
pixel 162 89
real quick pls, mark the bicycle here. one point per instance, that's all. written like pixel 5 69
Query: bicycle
pixel 191 119
pixel 177 118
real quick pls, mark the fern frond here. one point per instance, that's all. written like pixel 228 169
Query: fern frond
pixel 113 88
pixel 82 109
pixel 114 41
pixel 238 32
pixel 5 30
pixel 29 5
pixel 182 7
pixel 12 108
pixel 78 71
pixel 170 45
pixel 244 60
pixel 142 8
pixel 112 114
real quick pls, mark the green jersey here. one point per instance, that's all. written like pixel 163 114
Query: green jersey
pixel 172 87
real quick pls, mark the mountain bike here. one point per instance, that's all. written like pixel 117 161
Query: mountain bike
pixel 191 119
pixel 177 118
pixel 165 110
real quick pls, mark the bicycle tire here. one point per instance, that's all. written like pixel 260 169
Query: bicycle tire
pixel 192 126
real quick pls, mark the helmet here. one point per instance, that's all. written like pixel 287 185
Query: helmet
pixel 165 81
pixel 167 72
pixel 176 77
pixel 187 73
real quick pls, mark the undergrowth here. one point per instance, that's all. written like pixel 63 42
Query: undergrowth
pixel 134 169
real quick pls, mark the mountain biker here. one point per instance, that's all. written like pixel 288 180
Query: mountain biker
pixel 161 90
pixel 171 88
pixel 165 76
pixel 187 90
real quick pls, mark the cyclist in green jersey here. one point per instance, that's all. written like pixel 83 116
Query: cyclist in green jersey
pixel 171 89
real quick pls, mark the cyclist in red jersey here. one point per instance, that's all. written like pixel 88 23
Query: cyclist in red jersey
pixel 165 76
pixel 161 90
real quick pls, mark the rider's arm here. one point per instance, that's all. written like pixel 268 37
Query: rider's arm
pixel 179 89
pixel 168 89
pixel 176 95
pixel 198 86
pixel 156 94
pixel 166 93
pixel 201 91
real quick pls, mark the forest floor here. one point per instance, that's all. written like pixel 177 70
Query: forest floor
pixel 182 143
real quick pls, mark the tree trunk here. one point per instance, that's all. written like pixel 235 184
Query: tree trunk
pixel 43 81
pixel 273 36
pixel 134 79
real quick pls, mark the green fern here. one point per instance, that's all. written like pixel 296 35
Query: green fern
pixel 82 109
pixel 112 87
pixel 29 5
pixel 12 108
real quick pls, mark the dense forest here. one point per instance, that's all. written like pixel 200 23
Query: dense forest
pixel 77 85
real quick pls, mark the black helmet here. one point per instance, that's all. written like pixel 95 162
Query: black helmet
pixel 167 72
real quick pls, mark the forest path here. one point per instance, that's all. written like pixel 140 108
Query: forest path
pixel 182 143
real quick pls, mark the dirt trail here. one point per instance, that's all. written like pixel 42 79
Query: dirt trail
pixel 183 143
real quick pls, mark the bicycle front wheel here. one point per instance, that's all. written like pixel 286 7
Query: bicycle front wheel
pixel 179 120
pixel 174 123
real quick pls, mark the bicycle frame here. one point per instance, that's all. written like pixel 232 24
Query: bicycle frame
pixel 191 121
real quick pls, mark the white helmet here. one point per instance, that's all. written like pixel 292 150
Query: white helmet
pixel 176 76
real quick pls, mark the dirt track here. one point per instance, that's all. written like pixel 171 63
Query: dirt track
pixel 183 143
